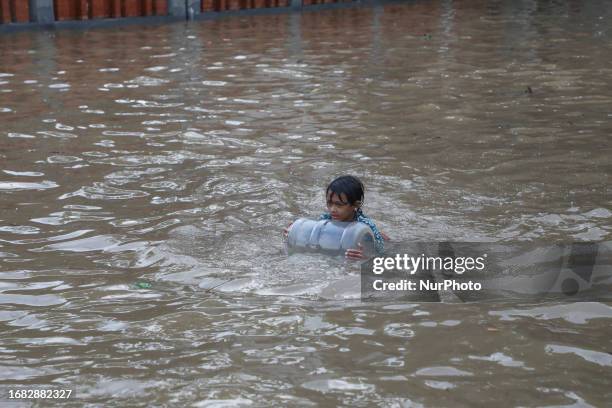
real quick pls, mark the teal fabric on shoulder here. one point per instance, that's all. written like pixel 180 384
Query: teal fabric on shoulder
pixel 379 242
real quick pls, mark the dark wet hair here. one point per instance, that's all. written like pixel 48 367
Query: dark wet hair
pixel 351 186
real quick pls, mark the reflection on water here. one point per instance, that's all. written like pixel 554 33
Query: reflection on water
pixel 175 155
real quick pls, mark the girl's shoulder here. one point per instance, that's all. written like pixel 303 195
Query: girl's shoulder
pixel 361 217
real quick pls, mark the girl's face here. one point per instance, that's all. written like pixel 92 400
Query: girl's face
pixel 339 208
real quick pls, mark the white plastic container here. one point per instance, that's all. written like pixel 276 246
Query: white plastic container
pixel 328 236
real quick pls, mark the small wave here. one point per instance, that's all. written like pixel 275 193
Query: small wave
pixel 19 186
pixel 597 357
pixel 147 81
pixel 101 191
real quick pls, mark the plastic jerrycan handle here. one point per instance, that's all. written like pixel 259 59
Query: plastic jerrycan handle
pixel 315 235
pixel 346 235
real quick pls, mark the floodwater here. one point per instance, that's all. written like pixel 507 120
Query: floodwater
pixel 141 167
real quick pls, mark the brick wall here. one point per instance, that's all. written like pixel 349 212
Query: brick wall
pixel 89 9
pixel 17 11
pixel 14 11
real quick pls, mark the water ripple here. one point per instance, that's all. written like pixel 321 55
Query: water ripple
pixel 19 186
pixel 101 191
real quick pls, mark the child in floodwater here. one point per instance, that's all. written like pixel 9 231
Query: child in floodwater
pixel 344 197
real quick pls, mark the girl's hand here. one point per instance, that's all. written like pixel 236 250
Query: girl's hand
pixel 385 236
pixel 286 230
pixel 355 254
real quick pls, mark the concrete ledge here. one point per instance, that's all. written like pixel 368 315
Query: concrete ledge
pixel 88 24
pixel 214 15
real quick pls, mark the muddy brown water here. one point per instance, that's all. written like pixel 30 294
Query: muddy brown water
pixel 175 154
